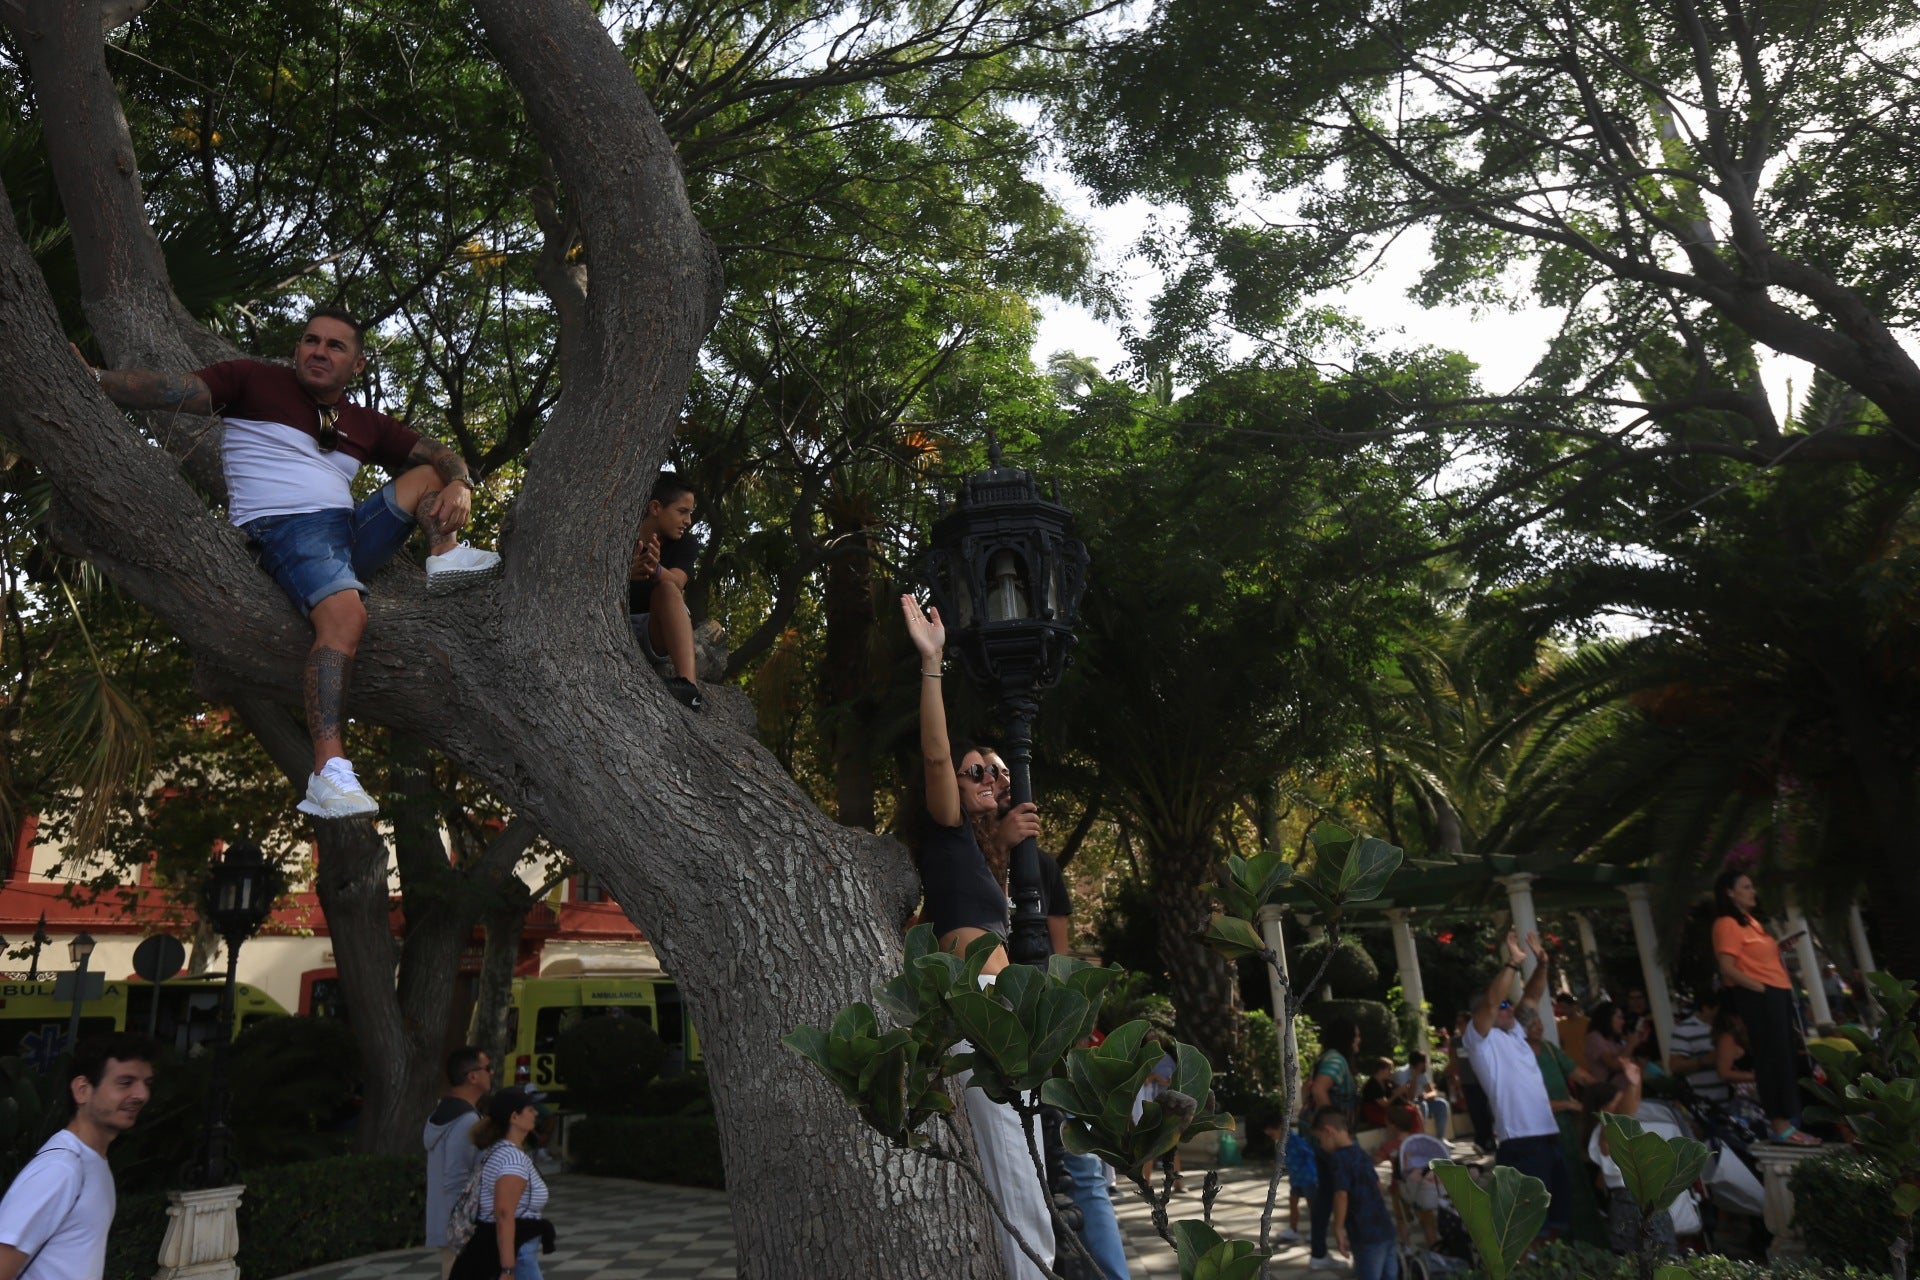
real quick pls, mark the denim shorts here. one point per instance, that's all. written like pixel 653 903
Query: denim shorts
pixel 315 554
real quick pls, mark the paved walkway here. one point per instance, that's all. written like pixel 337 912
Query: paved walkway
pixel 614 1229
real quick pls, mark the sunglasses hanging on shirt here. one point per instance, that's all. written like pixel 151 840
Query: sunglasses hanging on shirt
pixel 328 437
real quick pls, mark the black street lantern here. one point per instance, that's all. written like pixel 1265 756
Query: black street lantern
pixel 1007 575
pixel 235 899
pixel 40 939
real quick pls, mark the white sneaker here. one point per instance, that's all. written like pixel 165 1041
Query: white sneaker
pixel 335 793
pixel 1328 1263
pixel 459 568
pixel 1287 1235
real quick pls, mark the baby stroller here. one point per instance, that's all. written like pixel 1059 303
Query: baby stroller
pixel 1435 1240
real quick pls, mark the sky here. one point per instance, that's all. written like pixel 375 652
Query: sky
pixel 1504 344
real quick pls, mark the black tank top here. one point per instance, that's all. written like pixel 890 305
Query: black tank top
pixel 960 888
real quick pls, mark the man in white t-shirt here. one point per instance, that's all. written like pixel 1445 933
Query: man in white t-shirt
pixel 54 1218
pixel 1524 1126
pixel 292 446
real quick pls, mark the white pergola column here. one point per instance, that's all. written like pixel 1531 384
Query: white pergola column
pixel 1520 902
pixel 1412 989
pixel 1275 938
pixel 1652 973
pixel 1590 952
pixel 1810 974
pixel 1863 957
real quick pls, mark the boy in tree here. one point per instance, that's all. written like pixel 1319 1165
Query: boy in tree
pixel 664 554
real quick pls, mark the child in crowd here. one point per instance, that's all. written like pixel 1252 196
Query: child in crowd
pixel 1362 1227
pixel 1378 1093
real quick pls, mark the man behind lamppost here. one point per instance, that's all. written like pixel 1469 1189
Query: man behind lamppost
pixel 55 1217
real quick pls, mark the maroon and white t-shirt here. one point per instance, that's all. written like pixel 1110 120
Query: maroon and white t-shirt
pixel 273 460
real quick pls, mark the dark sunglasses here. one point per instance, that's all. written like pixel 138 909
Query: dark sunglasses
pixel 1506 1004
pixel 978 771
pixel 329 435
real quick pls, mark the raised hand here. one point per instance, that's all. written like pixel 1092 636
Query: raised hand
pixel 1018 823
pixel 1533 945
pixel 926 631
pixel 1514 952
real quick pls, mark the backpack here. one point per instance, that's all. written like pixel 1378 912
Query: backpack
pixel 465 1211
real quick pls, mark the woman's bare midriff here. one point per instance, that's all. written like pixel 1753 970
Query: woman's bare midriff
pixel 957 941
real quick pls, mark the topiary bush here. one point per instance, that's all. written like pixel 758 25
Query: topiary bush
pixel 1564 1261
pixel 1379 1033
pixel 293 1216
pixel 1840 1201
pixel 1352 970
pixel 677 1149
pixel 687 1094
pixel 606 1063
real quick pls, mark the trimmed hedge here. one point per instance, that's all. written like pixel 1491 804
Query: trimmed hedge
pixel 678 1149
pixel 1563 1261
pixel 293 1216
pixel 1841 1202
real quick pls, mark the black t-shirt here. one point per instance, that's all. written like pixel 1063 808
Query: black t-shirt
pixel 1053 887
pixel 681 553
pixel 960 889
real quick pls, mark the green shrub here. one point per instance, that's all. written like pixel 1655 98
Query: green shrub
pixel 678 1149
pixel 687 1094
pixel 1352 968
pixel 606 1064
pixel 1841 1202
pixel 1564 1261
pixel 1379 1034
pixel 293 1216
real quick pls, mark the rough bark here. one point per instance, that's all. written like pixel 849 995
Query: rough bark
pixel 764 911
pixel 1202 984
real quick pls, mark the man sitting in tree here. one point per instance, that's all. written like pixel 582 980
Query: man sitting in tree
pixel 293 446
pixel 664 554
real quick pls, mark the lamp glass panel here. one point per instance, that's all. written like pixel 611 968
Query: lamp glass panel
pixel 1008 597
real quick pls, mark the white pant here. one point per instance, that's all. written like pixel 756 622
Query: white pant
pixel 1007 1166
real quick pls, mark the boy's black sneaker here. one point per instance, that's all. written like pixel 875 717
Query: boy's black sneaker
pixel 686 690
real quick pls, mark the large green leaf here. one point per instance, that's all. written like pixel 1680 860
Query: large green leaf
pixel 995 1032
pixel 1368 868
pixel 1233 937
pixel 1502 1219
pixel 1655 1169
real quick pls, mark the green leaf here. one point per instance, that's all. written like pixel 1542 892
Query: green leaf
pixel 1655 1169
pixel 996 1034
pixel 1368 868
pixel 1503 1220
pixel 1232 937
pixel 1192 1241
pixel 1906 1199
pixel 1672 1273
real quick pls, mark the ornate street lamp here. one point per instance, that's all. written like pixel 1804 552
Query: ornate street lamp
pixel 1007 574
pixel 40 939
pixel 235 899
pixel 80 951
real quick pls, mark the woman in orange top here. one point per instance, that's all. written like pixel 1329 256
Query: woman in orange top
pixel 1749 960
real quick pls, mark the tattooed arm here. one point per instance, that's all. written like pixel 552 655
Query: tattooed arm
pixel 444 509
pixel 149 389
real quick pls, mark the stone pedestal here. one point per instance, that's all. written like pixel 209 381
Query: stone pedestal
pixel 1776 1172
pixel 203 1235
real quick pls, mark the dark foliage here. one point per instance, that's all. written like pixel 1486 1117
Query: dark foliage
pixel 677 1149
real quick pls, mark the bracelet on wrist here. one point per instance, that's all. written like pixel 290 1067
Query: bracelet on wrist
pixel 933 675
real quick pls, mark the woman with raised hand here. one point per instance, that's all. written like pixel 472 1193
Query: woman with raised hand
pixel 1749 960
pixel 965 899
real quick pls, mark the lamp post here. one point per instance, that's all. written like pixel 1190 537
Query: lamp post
pixel 40 939
pixel 80 951
pixel 235 899
pixel 1007 574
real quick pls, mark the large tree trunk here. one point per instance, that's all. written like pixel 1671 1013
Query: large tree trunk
pixel 766 913
pixel 505 922
pixel 1204 987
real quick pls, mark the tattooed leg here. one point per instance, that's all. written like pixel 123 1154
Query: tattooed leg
pixel 328 672
pixel 440 538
